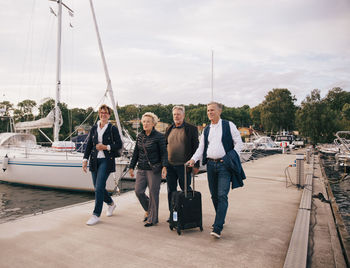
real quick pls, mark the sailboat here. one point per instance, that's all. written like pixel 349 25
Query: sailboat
pixel 23 161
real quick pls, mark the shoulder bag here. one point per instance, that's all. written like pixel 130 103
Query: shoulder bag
pixel 156 168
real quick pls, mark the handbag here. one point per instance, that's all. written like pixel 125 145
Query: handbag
pixel 157 167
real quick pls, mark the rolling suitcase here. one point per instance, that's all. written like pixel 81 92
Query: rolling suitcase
pixel 186 209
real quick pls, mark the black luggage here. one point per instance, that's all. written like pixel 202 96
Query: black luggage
pixel 186 209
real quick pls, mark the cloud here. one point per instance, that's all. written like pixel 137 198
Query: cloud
pixel 160 51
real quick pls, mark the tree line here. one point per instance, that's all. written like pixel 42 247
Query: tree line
pixel 316 118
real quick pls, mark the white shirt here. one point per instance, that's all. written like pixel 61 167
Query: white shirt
pixel 215 147
pixel 100 132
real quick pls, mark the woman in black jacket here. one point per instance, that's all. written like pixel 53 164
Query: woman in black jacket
pixel 151 156
pixel 102 147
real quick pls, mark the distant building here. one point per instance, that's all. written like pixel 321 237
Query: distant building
pixel 161 127
pixel 245 131
pixel 135 123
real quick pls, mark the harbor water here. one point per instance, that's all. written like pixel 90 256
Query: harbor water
pixel 340 184
pixel 20 200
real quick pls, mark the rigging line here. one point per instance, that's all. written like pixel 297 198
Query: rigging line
pixel 95 108
pixel 45 49
pixel 71 63
pixel 29 39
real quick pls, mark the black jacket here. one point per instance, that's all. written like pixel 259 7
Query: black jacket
pixel 110 137
pixel 191 140
pixel 155 147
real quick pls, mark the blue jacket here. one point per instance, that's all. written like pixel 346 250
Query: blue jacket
pixel 110 137
pixel 233 163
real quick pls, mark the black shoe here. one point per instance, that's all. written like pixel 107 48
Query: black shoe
pixel 145 217
pixel 148 224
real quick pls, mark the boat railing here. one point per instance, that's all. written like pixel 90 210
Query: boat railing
pixel 343 137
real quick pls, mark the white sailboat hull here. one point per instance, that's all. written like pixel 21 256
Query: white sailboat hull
pixel 59 170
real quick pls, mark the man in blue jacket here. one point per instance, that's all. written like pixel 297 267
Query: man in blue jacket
pixel 219 138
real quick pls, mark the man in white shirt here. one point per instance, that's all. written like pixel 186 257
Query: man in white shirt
pixel 217 140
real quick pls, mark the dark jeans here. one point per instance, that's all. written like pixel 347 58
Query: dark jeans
pixel 99 178
pixel 219 186
pixel 175 174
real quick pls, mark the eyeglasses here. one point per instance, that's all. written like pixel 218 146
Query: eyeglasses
pixel 104 113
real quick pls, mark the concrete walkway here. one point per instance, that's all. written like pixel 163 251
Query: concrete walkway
pixel 258 228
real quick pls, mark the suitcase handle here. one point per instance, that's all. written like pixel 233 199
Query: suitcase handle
pixel 185 182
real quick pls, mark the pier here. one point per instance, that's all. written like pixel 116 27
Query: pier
pixel 258 231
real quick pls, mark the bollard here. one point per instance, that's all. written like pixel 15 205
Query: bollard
pixel 308 155
pixel 300 170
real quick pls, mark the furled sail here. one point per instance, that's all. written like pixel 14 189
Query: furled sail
pixel 46 122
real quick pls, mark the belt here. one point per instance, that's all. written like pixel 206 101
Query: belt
pixel 215 160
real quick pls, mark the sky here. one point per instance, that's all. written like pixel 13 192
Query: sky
pixel 162 51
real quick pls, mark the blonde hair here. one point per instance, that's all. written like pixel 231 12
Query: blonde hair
pixel 179 107
pixel 152 115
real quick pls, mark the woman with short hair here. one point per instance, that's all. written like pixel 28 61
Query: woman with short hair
pixel 102 147
pixel 150 155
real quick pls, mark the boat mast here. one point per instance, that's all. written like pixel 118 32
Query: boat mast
pixel 56 128
pixel 212 75
pixel 109 83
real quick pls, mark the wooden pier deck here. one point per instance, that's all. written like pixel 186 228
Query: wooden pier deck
pixel 258 228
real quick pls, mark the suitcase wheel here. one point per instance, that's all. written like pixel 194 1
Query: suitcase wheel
pixel 178 231
pixel 201 228
pixel 171 227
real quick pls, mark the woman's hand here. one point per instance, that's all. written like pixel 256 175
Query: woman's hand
pixel 131 172
pixel 101 147
pixel 164 171
pixel 85 166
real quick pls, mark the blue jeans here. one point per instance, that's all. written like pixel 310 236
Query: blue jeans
pixel 219 186
pixel 174 174
pixel 99 178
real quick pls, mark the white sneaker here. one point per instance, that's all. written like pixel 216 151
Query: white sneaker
pixel 93 220
pixel 110 210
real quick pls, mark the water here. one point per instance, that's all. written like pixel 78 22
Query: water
pixel 340 188
pixel 19 200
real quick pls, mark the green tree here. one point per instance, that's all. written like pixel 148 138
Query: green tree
pixel 278 110
pixel 255 115
pixel 315 119
pixel 345 121
pixel 336 98
pixel 244 116
pixel 25 110
pixel 346 111
pixel 6 107
pixel 164 112
pixel 231 114
pixel 197 115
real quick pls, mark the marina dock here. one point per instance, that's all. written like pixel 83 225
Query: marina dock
pixel 260 221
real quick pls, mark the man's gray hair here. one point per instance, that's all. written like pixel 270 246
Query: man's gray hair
pixel 179 107
pixel 219 105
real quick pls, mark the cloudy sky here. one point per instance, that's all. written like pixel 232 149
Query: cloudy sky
pixel 160 51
